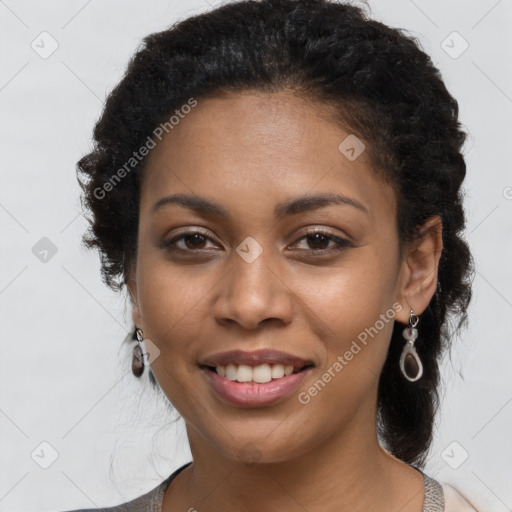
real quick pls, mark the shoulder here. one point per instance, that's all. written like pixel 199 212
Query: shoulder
pixel 442 497
pixel 144 502
pixel 454 501
pixel 152 500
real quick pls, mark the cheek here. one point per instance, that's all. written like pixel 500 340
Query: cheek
pixel 350 308
pixel 171 291
pixel 172 300
pixel 350 292
pixel 354 325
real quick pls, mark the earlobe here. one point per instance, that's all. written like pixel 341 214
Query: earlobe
pixel 420 269
pixel 136 314
pixel 132 290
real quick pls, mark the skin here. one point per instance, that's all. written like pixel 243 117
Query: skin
pixel 248 152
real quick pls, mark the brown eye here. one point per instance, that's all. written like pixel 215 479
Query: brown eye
pixel 318 241
pixel 190 241
pixel 195 241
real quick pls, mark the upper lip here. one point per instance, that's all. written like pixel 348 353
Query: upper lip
pixel 255 358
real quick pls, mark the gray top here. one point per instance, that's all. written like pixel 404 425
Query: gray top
pixel 152 501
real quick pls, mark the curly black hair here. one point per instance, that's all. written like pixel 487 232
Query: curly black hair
pixel 378 82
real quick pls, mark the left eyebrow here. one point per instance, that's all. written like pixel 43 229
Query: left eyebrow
pixel 307 203
pixel 204 206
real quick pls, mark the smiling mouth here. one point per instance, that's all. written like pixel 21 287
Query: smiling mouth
pixel 258 374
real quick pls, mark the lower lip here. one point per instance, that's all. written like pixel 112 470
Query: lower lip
pixel 253 394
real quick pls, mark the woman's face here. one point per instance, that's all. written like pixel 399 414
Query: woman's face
pixel 255 279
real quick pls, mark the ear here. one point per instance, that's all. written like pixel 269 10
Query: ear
pixel 134 300
pixel 419 269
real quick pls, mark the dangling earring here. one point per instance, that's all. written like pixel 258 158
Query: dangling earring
pixel 410 363
pixel 138 358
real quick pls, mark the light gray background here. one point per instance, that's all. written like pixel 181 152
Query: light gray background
pixel 64 380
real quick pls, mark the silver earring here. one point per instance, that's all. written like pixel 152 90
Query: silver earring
pixel 410 363
pixel 138 358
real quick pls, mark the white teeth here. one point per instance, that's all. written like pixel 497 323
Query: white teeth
pixel 231 372
pixel 277 371
pixel 261 374
pixel 288 370
pixel 244 373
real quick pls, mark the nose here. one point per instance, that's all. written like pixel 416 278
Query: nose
pixel 253 294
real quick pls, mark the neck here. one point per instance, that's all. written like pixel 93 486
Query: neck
pixel 344 472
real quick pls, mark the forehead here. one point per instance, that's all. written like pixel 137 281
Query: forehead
pixel 253 148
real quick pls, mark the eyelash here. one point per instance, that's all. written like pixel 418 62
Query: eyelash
pixel 342 243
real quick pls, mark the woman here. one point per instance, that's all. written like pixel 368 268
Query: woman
pixel 277 183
